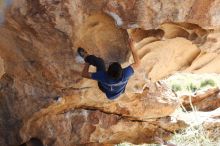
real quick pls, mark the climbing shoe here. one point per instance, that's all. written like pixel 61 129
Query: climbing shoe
pixel 57 98
pixel 81 52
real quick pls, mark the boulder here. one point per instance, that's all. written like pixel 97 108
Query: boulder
pixel 207 101
pixel 43 97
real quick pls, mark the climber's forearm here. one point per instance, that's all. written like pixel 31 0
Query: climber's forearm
pixel 85 72
pixel 137 60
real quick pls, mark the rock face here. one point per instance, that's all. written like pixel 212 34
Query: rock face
pixel 92 126
pixel 150 14
pixel 38 42
pixel 185 47
pixel 207 101
pixel 2 69
pixel 162 58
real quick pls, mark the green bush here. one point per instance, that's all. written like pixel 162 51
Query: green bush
pixel 176 87
pixel 207 82
pixel 192 87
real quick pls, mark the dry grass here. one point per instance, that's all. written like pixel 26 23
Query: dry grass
pixel 129 144
pixel 195 134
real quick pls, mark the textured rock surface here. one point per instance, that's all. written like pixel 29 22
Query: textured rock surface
pixel 184 47
pixel 38 42
pixel 162 58
pixel 207 101
pixel 150 14
pixel 94 109
pixel 2 69
pixel 92 126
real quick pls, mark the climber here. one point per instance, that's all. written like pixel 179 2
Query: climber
pixel 113 81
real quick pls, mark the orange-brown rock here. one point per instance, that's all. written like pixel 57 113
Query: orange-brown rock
pixel 2 69
pixel 207 101
pixel 92 126
pixel 162 58
pixel 151 14
pixel 42 94
pixel 139 34
pixel 177 50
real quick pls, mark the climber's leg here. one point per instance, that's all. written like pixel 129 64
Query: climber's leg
pixel 92 60
pixel 99 64
pixel 96 61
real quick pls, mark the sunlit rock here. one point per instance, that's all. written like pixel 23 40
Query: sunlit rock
pixel 43 96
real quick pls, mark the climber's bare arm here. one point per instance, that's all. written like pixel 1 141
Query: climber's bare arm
pixel 137 60
pixel 85 72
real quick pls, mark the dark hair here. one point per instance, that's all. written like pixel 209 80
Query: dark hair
pixel 115 70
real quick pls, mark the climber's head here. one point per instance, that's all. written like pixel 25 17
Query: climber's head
pixel 115 70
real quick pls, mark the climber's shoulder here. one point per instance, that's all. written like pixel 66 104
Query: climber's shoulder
pixel 128 71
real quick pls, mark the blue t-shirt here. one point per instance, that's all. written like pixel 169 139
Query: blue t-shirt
pixel 113 88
